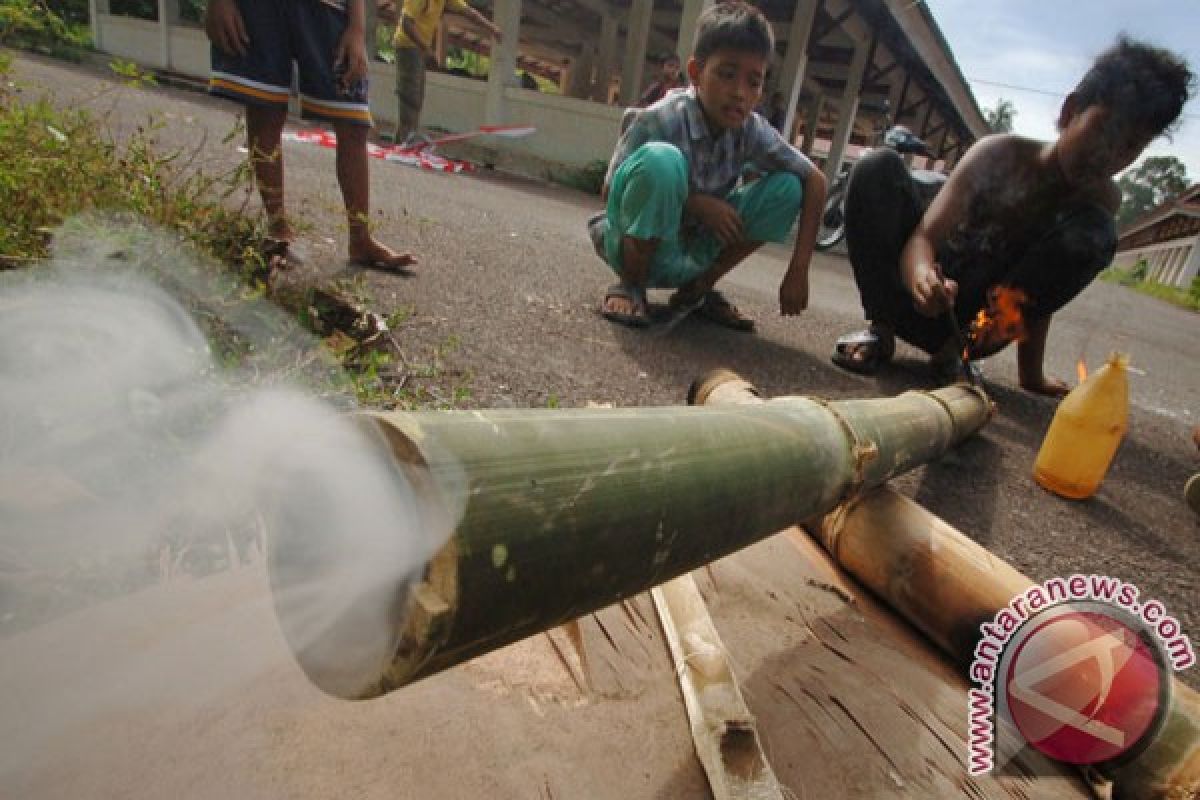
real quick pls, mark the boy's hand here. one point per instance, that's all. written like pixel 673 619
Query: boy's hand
pixel 718 216
pixel 225 28
pixel 793 294
pixel 932 292
pixel 350 58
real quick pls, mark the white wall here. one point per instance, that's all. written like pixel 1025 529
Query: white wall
pixel 1174 263
pixel 132 39
pixel 569 131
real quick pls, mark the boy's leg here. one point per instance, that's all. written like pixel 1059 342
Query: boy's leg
pixel 353 173
pixel 261 80
pixel 410 91
pixel 645 205
pixel 768 208
pixel 882 210
pixel 264 130
pixel 883 207
pixel 315 30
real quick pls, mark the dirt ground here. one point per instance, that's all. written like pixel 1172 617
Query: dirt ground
pixel 507 290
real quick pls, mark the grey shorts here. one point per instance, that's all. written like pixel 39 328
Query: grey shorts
pixel 410 87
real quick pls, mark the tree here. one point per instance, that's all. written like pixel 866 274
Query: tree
pixel 1150 184
pixel 1000 119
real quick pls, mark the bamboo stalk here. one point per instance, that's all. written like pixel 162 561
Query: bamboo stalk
pixel 551 514
pixel 723 729
pixel 946 585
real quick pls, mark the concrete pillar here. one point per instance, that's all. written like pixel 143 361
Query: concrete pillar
pixel 635 50
pixel 847 110
pixel 791 76
pixel 504 60
pixel 95 9
pixel 610 35
pixel 812 118
pixel 692 9
pixel 581 72
pixel 168 15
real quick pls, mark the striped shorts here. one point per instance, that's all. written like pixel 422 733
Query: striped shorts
pixel 283 33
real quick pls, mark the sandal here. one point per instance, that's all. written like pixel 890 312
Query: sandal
pixel 864 352
pixel 638 315
pixel 718 309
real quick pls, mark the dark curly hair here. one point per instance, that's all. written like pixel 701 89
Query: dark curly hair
pixel 1138 81
pixel 732 25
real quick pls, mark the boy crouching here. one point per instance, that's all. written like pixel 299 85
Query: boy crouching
pixel 676 216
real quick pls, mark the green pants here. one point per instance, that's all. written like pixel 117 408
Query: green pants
pixel 646 201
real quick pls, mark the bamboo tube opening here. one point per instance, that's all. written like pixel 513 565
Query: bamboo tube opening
pixel 354 601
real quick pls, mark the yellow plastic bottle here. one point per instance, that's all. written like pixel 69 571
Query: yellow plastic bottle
pixel 1085 432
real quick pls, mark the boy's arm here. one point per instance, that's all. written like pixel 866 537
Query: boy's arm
pixel 225 27
pixel 793 291
pixel 479 19
pixel 768 150
pixel 351 53
pixel 1031 352
pixel 922 275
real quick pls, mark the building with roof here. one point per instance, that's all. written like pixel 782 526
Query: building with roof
pixel 846 69
pixel 1166 239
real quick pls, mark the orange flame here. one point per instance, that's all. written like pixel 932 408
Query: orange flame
pixel 1002 320
pixel 1081 370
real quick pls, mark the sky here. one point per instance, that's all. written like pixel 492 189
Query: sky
pixel 1045 47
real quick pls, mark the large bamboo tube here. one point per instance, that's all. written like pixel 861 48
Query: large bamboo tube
pixel 551 514
pixel 946 585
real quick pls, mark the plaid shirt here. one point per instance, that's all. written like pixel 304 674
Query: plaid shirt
pixel 714 162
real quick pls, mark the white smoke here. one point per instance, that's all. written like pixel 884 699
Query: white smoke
pixel 133 474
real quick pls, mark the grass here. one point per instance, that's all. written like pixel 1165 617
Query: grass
pixel 58 165
pixel 1184 298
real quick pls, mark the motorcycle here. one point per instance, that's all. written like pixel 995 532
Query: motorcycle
pixel 833 219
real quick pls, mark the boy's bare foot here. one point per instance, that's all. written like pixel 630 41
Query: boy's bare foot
pixel 373 254
pixel 1050 387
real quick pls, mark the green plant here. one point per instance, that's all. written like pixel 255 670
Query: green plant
pixel 33 25
pixel 589 178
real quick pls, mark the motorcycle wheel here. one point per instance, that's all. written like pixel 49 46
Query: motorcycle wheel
pixel 833 222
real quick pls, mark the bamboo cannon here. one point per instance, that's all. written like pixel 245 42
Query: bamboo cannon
pixel 946 585
pixel 548 515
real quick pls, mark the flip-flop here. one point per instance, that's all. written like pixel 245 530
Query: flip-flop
pixel 638 316
pixel 716 308
pixel 878 351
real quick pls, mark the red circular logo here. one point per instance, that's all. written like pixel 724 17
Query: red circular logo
pixel 1083 687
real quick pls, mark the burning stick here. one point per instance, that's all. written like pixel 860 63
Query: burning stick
pixel 963 348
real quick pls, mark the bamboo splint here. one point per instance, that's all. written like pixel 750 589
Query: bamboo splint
pixel 723 728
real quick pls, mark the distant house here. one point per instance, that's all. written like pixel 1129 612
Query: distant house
pixel 1168 238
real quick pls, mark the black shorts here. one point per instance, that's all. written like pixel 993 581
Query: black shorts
pixel 281 32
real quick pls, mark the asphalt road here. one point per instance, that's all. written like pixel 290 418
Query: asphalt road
pixel 507 292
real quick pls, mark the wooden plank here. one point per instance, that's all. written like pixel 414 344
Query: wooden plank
pixel 723 728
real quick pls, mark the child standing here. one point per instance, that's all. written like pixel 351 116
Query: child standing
pixel 676 216
pixel 414 49
pixel 1016 213
pixel 255 43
